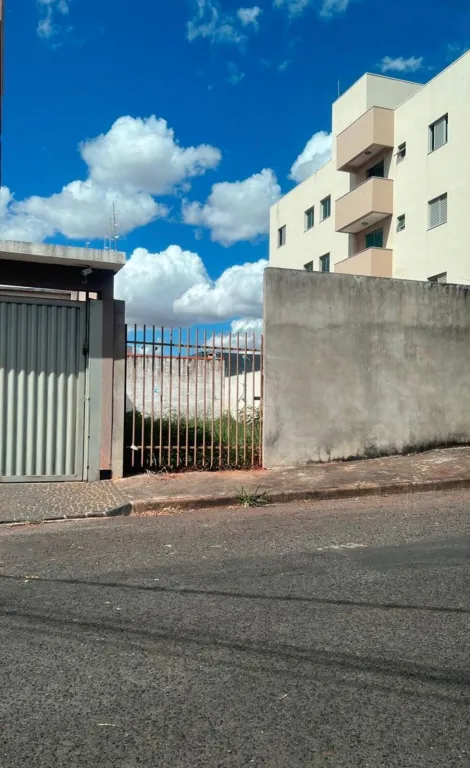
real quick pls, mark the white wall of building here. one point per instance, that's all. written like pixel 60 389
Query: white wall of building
pixel 389 92
pixel 370 91
pixel 418 252
pixel 349 106
pixel 303 246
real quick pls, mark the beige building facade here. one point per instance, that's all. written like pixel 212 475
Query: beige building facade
pixel 393 201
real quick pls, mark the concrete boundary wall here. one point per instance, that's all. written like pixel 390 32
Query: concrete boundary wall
pixel 361 367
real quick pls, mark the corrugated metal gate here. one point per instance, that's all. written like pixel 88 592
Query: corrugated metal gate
pixel 42 390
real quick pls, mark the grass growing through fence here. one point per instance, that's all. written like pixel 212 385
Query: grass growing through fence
pixel 228 443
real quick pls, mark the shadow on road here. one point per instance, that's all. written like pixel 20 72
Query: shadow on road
pixel 351 662
pixel 246 595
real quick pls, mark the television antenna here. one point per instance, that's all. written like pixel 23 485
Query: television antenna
pixel 110 241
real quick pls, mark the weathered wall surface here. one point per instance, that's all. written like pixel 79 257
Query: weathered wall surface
pixel 359 366
pixel 192 386
pixel 170 382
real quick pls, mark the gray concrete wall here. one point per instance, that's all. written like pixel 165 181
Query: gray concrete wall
pixel 360 366
pixel 119 389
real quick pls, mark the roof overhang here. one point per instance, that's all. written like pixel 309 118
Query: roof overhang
pixel 62 255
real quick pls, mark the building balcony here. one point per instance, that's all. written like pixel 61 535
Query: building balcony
pixel 373 262
pixel 364 205
pixel 368 135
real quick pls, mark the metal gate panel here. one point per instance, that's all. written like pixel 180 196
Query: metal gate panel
pixel 42 390
pixel 193 401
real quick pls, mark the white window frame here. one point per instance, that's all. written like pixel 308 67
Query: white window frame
pixel 441 202
pixel 281 236
pixel 432 132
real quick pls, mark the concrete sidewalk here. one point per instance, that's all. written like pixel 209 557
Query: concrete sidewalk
pixel 162 493
pixel 434 470
pixel 36 502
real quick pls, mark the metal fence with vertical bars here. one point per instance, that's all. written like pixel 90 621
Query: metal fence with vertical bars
pixel 193 399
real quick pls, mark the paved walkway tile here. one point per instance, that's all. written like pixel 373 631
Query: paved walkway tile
pixel 20 502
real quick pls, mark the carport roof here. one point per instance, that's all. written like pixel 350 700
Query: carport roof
pixel 62 255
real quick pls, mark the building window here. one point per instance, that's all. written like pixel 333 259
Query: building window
pixel 375 239
pixel 401 152
pixel 437 211
pixel 308 266
pixel 376 170
pixel 401 223
pixel 325 208
pixel 281 236
pixel 309 218
pixel 438 133
pixel 325 263
pixel 442 278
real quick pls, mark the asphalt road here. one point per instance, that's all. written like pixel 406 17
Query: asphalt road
pixel 334 634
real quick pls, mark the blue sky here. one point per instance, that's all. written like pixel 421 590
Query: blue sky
pixel 245 85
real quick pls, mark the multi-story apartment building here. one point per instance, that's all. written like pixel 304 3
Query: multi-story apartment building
pixel 394 200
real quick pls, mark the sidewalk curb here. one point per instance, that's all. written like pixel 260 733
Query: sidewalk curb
pixel 178 504
pixel 168 506
pixel 120 511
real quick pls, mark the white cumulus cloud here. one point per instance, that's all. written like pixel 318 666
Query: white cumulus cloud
pixel 150 283
pixel 211 23
pixel 144 154
pixel 19 226
pixel 173 287
pixel 238 210
pixel 238 291
pixel 250 325
pixel 327 8
pixel 128 166
pixel 294 7
pixel 400 64
pixel 316 153
pixel 83 210
pixel 249 16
